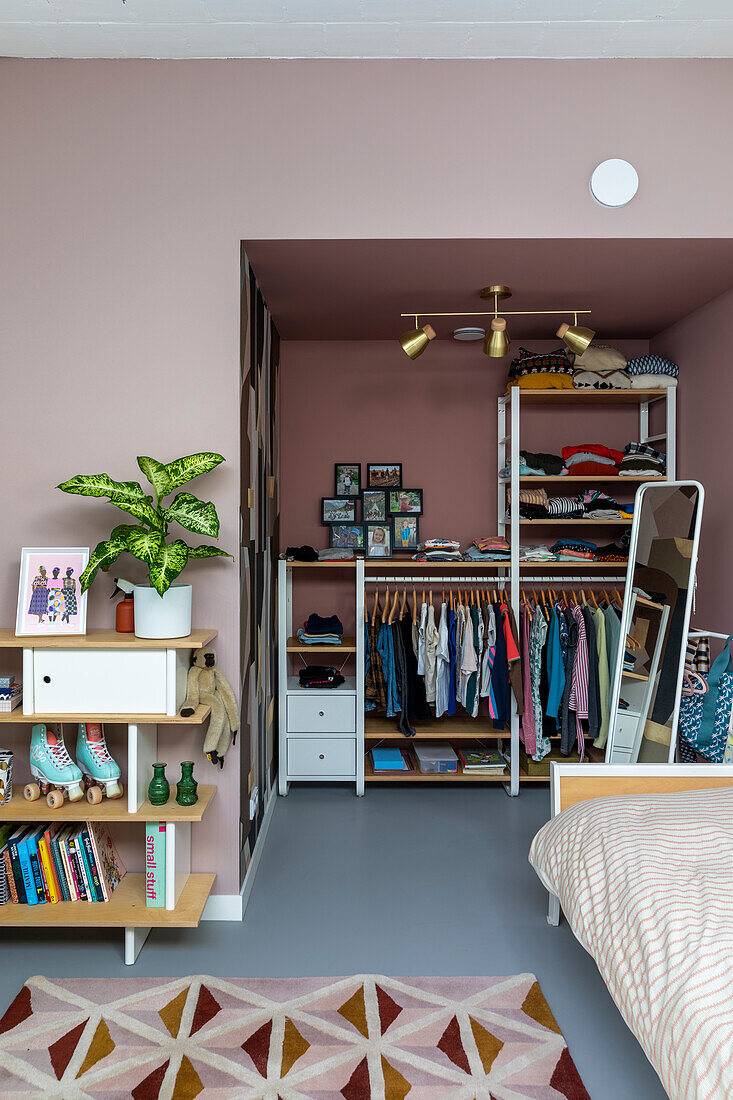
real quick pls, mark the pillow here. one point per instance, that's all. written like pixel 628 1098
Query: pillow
pixel 601 357
pixel 601 380
pixel 652 381
pixel 652 364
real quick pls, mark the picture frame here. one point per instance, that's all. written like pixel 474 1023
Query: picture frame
pixel 406 532
pixel 374 505
pixel 347 479
pixel 379 539
pixel 338 510
pixel 50 600
pixel 384 475
pixel 346 536
pixel 405 502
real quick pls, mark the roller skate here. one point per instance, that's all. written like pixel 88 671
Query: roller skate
pixel 101 773
pixel 53 769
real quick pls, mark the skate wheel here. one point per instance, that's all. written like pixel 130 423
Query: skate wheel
pixel 94 796
pixel 116 790
pixel 76 793
pixel 31 792
pixel 55 799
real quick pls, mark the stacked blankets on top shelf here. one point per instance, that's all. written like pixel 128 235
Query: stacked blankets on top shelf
pixel 652 372
pixel 545 371
pixel 321 631
pixel 601 368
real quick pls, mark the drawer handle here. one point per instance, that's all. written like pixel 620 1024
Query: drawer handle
pixel 320 714
pixel 47 679
pixel 321 757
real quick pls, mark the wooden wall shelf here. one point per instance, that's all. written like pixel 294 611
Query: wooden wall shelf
pixel 101 639
pixel 348 645
pixel 109 810
pixel 199 715
pixel 590 397
pixel 125 909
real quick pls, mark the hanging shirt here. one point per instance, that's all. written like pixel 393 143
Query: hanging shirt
pixel 500 675
pixel 431 652
pixel 375 690
pixel 528 732
pixel 469 664
pixel 421 640
pixel 451 708
pixel 385 648
pixel 479 639
pixel 599 619
pixel 442 675
pixel 578 700
pixel 460 634
pixel 594 699
pixel 555 666
pixel 569 733
pixel 613 640
pixel 487 661
pixel 537 635
pixel 512 655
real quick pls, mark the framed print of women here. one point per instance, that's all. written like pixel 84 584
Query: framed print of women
pixel 50 600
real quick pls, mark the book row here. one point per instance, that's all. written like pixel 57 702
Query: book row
pixel 46 864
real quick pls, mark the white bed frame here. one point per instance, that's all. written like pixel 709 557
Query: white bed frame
pixel 573 783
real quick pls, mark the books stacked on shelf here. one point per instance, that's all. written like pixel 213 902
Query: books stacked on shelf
pixel 11 694
pixel 155 865
pixel 389 761
pixel 46 864
pixel 482 760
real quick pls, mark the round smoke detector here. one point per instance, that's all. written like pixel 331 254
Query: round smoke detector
pixel 469 333
pixel 614 183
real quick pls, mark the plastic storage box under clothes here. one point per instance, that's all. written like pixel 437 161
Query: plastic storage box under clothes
pixel 436 758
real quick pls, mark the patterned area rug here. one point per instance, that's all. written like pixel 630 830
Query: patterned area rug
pixel 358 1038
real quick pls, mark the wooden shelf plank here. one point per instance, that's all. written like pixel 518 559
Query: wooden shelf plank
pixel 199 715
pixel 322 564
pixel 591 479
pixel 612 566
pixel 109 810
pixel 459 776
pixel 641 602
pixel 390 563
pixel 101 639
pixel 575 522
pixel 125 909
pixel 589 397
pixel 635 676
pixel 348 645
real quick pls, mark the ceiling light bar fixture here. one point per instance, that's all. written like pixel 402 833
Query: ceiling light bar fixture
pixel 497 342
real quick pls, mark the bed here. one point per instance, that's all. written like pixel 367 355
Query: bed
pixel 640 858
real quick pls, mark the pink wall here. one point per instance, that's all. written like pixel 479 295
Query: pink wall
pixel 127 187
pixel 367 402
pixel 700 344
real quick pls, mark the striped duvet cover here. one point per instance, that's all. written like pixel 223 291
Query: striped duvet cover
pixel 646 883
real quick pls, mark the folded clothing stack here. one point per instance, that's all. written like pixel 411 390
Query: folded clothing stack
pixel 564 508
pixel 640 458
pixel 535 553
pixel 612 552
pixel 652 372
pixel 336 553
pixel 321 631
pixel 592 458
pixel 599 505
pixel 319 676
pixel 549 371
pixel 601 368
pixel 629 661
pixel 574 550
pixel 530 496
pixel 438 550
pixel 488 548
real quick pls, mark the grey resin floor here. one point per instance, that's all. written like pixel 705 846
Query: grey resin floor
pixel 406 881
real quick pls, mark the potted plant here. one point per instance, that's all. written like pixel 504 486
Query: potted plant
pixel 162 609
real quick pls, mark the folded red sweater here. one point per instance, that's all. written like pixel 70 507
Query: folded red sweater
pixel 594 468
pixel 594 448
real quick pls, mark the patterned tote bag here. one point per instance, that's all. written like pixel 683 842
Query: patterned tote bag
pixel 705 716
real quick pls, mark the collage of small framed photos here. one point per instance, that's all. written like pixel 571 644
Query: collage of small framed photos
pixel 390 513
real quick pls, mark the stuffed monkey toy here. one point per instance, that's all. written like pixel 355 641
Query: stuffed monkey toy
pixel 208 687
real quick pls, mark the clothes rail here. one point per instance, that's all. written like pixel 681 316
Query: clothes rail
pixel 557 580
pixel 707 634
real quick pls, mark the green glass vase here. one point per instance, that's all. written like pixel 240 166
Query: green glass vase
pixel 159 790
pixel 187 786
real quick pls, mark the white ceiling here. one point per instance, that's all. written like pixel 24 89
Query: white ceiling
pixel 366 28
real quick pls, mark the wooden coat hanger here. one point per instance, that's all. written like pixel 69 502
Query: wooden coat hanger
pixel 385 612
pixel 403 605
pixel 414 607
pixel 593 598
pixel 376 603
pixel 450 597
pixel 393 612
pixel 575 598
pixel 617 594
pixel 431 597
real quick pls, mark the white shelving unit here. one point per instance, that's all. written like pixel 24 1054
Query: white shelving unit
pixel 321 734
pixel 509 444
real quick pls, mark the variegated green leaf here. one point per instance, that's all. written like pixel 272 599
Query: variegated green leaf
pixel 101 557
pixel 127 495
pixel 143 544
pixel 193 514
pixel 168 563
pixel 155 473
pixel 187 468
pixel 207 552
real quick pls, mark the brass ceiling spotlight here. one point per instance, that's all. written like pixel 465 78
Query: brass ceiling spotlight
pixel 497 342
pixel 416 340
pixel 575 337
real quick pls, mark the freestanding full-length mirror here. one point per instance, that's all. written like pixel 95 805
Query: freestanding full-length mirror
pixel 660 581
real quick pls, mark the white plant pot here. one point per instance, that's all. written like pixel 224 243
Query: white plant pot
pixel 167 616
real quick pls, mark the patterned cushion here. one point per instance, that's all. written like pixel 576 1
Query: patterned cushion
pixel 652 364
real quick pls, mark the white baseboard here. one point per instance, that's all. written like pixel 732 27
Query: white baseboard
pixel 233 906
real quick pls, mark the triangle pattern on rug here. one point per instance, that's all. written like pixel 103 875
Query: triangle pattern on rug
pixel 294 1046
pixel 100 1046
pixel 358 1086
pixel 487 1045
pixel 149 1087
pixel 536 1007
pixel 258 1047
pixel 171 1013
pixel 207 1007
pixel 354 1011
pixel 451 1044
pixel 389 1010
pixel 62 1051
pixel 566 1079
pixel 19 1010
pixel 188 1083
pixel 395 1085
